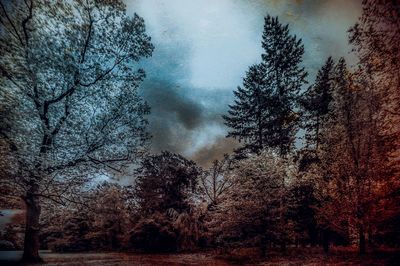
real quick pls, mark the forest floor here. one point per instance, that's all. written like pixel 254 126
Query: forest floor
pixel 296 257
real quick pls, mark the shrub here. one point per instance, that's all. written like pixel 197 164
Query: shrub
pixel 154 234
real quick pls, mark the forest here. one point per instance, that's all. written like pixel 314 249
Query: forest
pixel 73 123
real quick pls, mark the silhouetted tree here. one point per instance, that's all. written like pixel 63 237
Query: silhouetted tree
pixel 316 108
pixel 165 182
pixel 264 114
pixel 316 104
pixel 248 116
pixel 283 54
pixel 165 190
pixel 214 182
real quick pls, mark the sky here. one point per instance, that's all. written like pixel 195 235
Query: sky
pixel 202 51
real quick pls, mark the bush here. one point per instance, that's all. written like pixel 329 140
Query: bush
pixel 6 245
pixel 154 234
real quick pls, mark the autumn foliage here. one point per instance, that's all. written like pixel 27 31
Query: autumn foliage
pixel 318 165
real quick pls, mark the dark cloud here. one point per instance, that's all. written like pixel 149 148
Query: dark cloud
pixel 172 117
pixel 180 117
pixel 202 50
pixel 309 8
pixel 166 100
pixel 183 118
pixel 206 155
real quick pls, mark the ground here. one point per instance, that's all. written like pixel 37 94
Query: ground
pixel 307 256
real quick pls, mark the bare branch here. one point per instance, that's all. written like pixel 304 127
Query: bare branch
pixel 5 73
pixel 11 23
pixel 89 33
pixel 26 20
pixel 62 120
pixel 104 162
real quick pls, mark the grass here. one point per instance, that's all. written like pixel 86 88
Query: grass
pixel 305 256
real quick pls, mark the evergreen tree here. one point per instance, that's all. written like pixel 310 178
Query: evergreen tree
pixel 248 116
pixel 315 103
pixel 284 76
pixel 318 115
pixel 264 112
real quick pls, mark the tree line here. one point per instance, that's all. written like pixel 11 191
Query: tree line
pixel 70 112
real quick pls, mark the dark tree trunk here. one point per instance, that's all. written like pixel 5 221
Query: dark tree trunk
pixel 31 242
pixel 283 246
pixel 313 233
pixel 263 246
pixel 325 240
pixel 361 237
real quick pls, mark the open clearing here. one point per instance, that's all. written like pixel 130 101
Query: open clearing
pixel 308 257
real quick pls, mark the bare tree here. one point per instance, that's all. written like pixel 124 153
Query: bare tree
pixel 214 182
pixel 69 67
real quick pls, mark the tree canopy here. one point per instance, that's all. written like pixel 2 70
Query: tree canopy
pixel 264 114
pixel 69 67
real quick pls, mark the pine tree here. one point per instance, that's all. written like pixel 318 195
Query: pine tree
pixel 284 76
pixel 315 103
pixel 264 112
pixel 247 117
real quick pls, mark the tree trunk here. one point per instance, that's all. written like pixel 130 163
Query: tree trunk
pixel 263 246
pixel 31 242
pixel 361 237
pixel 283 246
pixel 325 240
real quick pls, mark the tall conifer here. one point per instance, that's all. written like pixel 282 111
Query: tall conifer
pixel 264 113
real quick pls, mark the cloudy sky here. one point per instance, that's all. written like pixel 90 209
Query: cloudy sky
pixel 204 47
